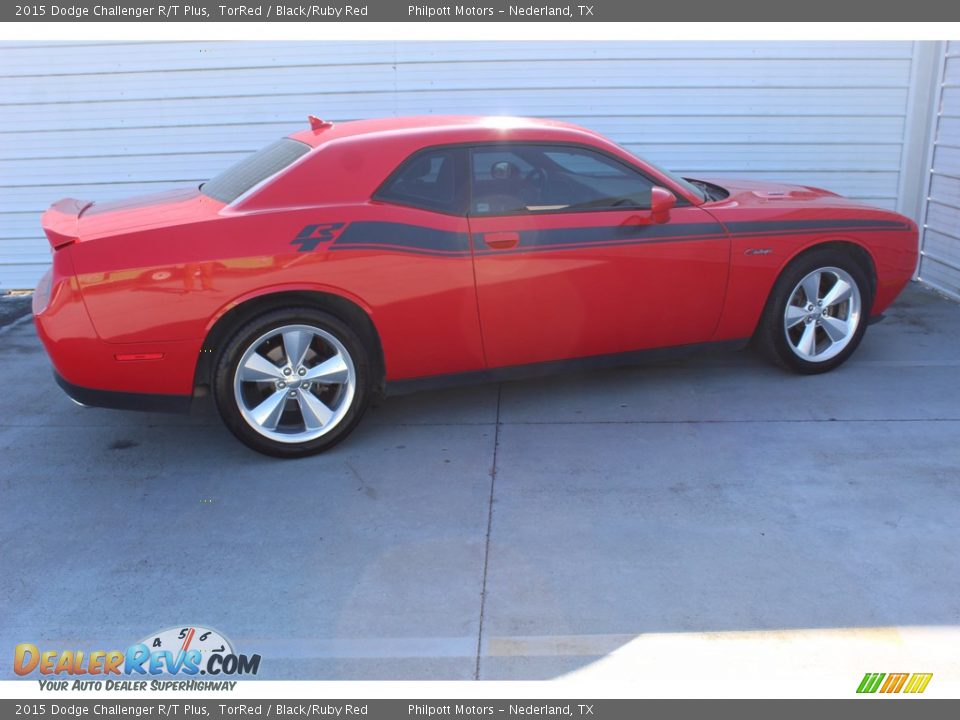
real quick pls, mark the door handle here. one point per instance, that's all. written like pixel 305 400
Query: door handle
pixel 502 240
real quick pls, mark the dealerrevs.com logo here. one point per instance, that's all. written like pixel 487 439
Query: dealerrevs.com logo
pixel 188 652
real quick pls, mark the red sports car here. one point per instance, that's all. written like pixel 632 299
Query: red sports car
pixel 386 255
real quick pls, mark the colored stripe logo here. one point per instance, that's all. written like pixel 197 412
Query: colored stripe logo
pixel 913 683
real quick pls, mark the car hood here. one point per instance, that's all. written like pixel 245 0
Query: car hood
pixel 768 194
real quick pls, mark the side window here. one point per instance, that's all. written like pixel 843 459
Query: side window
pixel 542 178
pixel 429 180
pixel 499 177
pixel 585 163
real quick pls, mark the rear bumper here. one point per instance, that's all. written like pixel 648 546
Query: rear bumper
pixel 125 375
pixel 88 397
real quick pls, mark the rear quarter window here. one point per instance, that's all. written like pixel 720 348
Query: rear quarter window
pixel 430 179
pixel 237 179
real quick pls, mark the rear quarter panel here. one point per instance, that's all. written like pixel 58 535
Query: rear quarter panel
pixel 172 284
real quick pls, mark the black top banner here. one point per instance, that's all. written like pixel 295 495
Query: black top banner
pixel 483 11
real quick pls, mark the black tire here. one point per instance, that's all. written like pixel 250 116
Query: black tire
pixel 772 338
pixel 225 373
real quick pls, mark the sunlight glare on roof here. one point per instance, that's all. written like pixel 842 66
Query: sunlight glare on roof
pixel 504 122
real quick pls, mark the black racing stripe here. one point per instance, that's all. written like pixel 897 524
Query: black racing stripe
pixel 609 238
pixel 561 237
pixel 388 247
pixel 799 226
pixel 400 236
pixel 484 250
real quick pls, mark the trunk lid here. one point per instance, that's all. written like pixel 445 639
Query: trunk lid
pixel 71 220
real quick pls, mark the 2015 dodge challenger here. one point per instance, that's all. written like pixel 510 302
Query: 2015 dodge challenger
pixel 393 254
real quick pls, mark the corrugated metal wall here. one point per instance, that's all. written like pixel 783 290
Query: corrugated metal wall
pixel 101 121
pixel 940 244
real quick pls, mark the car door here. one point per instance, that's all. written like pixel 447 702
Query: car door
pixel 410 257
pixel 570 261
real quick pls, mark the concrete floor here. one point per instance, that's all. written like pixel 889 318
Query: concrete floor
pixel 714 497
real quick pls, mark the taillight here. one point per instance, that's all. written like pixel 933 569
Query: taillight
pixel 41 294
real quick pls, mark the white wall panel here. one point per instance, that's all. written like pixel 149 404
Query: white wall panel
pixel 940 243
pixel 499 75
pixel 105 120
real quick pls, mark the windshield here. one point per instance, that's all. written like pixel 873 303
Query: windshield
pixel 237 179
pixel 682 182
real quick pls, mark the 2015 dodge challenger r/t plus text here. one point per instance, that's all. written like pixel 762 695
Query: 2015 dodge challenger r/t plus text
pixel 388 255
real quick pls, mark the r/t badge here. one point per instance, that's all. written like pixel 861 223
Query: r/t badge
pixel 313 235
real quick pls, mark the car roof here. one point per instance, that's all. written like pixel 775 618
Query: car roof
pixel 464 128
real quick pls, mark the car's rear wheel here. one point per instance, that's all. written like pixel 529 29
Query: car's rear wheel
pixel 292 382
pixel 816 315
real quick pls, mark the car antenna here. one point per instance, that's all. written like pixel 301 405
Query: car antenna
pixel 317 125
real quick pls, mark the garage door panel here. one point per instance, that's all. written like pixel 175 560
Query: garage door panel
pixel 709 130
pixel 61 58
pixel 142 142
pixel 35 60
pixel 951 70
pixel 940 261
pixel 726 158
pixel 547 103
pixel 752 50
pixel 21 252
pixel 948 127
pixel 113 169
pixel 942 246
pixel 21 277
pixel 946 159
pixel 36 199
pixel 940 276
pixel 647 73
pixel 367 75
pixel 171 113
pixel 240 82
pixel 704 131
pixel 944 217
pixel 950 101
pixel 20 225
pixel 943 187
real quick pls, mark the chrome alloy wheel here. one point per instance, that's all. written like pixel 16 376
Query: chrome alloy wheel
pixel 295 383
pixel 822 314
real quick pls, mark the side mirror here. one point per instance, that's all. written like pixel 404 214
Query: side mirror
pixel 661 203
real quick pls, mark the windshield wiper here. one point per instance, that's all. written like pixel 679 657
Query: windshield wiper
pixel 705 187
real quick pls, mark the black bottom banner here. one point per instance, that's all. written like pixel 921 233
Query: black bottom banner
pixel 447 709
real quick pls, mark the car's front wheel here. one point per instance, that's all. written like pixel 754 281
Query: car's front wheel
pixel 816 315
pixel 292 382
